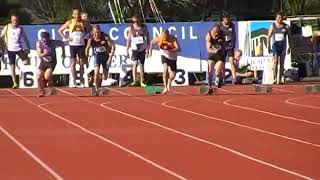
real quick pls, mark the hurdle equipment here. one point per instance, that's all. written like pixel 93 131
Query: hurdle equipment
pixel 262 88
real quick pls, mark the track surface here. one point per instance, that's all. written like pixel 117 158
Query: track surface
pixel 234 134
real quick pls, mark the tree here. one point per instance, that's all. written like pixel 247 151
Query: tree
pixel 48 11
pixel 300 7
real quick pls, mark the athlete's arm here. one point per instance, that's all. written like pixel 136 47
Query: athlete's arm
pixel 208 45
pixel 129 39
pixel 25 38
pixel 88 47
pixel 234 34
pixel 147 35
pixel 153 41
pixel 62 28
pixel 40 52
pixel 4 31
pixel 289 38
pixel 176 46
pixel 269 37
pixel 60 44
pixel 111 44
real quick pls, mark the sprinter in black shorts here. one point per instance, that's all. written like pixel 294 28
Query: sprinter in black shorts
pixel 102 51
pixel 169 48
pixel 46 49
pixel 215 49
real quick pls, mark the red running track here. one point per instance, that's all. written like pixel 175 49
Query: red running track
pixel 128 135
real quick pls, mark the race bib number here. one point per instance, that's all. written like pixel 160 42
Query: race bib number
pixel 101 49
pixel 227 38
pixel 77 38
pixel 279 37
pixel 138 40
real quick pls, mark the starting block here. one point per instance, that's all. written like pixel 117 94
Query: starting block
pixel 50 91
pixel 263 88
pixel 152 89
pixel 99 92
pixel 314 88
pixel 203 90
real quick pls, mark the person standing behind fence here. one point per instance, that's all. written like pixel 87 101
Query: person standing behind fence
pixel 169 48
pixel 12 34
pixel 46 50
pixel 215 49
pixel 278 32
pixel 228 32
pixel 102 51
pixel 77 29
pixel 138 41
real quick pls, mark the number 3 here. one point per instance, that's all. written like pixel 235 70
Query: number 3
pixel 180 76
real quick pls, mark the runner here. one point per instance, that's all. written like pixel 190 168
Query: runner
pixel 215 49
pixel 84 17
pixel 169 48
pixel 46 49
pixel 77 28
pixel 102 50
pixel 2 49
pixel 138 41
pixel 228 32
pixel 12 33
pixel 278 32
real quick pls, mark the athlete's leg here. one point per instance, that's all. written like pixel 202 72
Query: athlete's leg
pixel 142 57
pixel 172 74
pixel 218 67
pixel 97 76
pixel 41 82
pixel 48 76
pixel 211 64
pixel 233 69
pixel 73 62
pixel 12 63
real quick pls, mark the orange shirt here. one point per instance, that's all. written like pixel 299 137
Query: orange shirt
pixel 166 43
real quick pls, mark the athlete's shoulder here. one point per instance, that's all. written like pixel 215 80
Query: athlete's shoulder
pixel 208 36
pixel 105 35
pixel 285 25
pixel 70 21
pixel 233 25
pixel 272 25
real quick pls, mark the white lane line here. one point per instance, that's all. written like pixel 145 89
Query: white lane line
pixel 229 122
pixel 32 155
pixel 101 137
pixel 288 101
pixel 196 138
pixel 227 102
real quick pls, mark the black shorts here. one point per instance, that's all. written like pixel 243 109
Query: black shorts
pixel 171 63
pixel 215 57
pixel 278 49
pixel 138 56
pixel 12 56
pixel 101 60
pixel 77 50
pixel 44 65
pixel 229 53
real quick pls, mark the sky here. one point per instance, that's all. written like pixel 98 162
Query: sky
pixel 258 25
